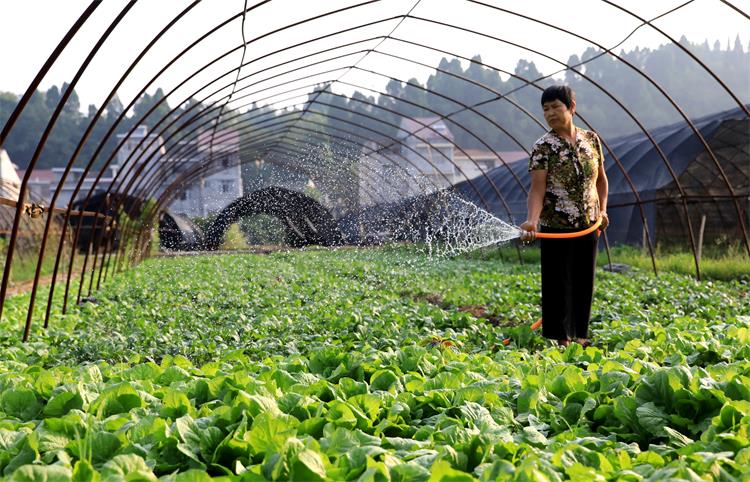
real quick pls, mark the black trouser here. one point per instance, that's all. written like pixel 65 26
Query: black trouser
pixel 568 267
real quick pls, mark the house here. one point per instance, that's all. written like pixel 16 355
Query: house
pixel 427 149
pixel 146 152
pixel 212 192
pixel 471 163
pixel 43 183
pixel 423 161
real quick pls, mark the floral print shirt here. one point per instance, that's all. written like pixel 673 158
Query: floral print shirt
pixel 571 199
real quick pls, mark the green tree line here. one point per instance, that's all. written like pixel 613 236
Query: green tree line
pixel 477 110
pixel 494 109
pixel 72 124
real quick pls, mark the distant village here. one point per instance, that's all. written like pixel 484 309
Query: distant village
pixel 425 159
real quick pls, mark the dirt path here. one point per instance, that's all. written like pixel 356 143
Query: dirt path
pixel 25 286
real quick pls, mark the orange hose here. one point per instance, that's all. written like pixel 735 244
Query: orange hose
pixel 534 326
pixel 574 234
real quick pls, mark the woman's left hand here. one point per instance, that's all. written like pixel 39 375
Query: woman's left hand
pixel 605 221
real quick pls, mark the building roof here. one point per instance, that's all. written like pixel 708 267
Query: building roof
pixel 424 128
pixel 480 154
pixel 223 137
pixel 40 175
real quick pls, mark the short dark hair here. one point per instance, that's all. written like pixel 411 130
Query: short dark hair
pixel 563 93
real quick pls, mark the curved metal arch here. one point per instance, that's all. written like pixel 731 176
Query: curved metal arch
pixel 192 176
pixel 290 149
pixel 113 127
pixel 376 22
pixel 315 100
pixel 316 123
pixel 669 98
pixel 148 190
pixel 736 8
pixel 147 162
pixel 169 64
pixel 404 145
pixel 31 89
pixel 167 197
pixel 394 139
pixel 690 230
pixel 32 163
pixel 163 200
pixel 495 124
pixel 511 74
pixel 622 106
pixel 150 111
pixel 481 170
pixel 252 203
pixel 154 185
pixel 424 126
pixel 86 203
pixel 234 85
pixel 228 120
pixel 356 27
pixel 469 156
pixel 607 147
pixel 466 79
pixel 689 52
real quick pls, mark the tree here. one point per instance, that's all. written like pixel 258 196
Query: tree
pixel 684 79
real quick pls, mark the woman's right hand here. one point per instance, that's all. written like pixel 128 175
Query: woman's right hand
pixel 528 233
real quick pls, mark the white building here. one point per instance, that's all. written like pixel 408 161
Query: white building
pixel 43 182
pixel 205 195
pixel 140 150
pixel 213 192
pixel 426 160
pixel 472 162
pixel 428 149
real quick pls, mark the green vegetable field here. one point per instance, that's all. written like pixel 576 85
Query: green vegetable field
pixel 375 366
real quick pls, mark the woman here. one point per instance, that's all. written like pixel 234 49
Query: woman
pixel 568 193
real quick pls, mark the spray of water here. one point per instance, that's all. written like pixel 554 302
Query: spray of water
pixel 376 199
pixel 459 226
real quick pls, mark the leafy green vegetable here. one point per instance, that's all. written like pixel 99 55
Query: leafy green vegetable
pixel 315 366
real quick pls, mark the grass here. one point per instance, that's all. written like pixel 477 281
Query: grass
pixel 728 262
pixel 731 264
pixel 234 239
pixel 25 261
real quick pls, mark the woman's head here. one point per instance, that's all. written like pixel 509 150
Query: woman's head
pixel 559 104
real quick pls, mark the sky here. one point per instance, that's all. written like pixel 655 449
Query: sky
pixel 30 29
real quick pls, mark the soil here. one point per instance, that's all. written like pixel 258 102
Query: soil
pixel 477 311
pixel 24 286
